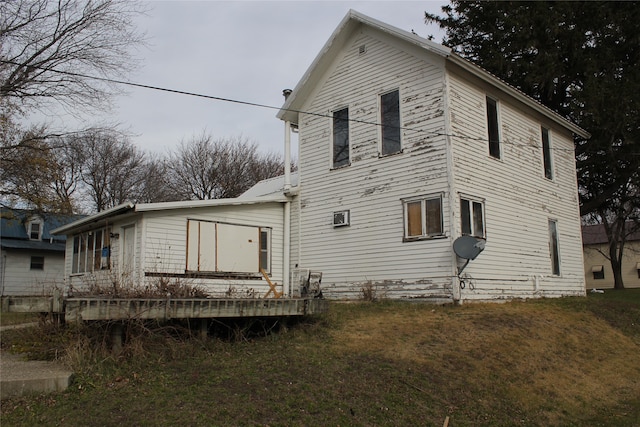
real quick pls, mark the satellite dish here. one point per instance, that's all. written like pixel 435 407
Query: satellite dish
pixel 468 247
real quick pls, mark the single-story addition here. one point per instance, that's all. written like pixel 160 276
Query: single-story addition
pixel 32 260
pixel 404 146
pixel 597 267
pixel 221 247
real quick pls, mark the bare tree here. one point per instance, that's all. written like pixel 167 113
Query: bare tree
pixel 204 168
pixel 49 48
pixel 113 168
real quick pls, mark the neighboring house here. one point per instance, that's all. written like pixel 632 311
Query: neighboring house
pixel 219 246
pixel 597 267
pixel 404 147
pixel 32 259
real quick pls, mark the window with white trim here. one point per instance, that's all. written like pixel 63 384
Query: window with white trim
pixel 472 217
pixel 423 217
pixel 390 121
pixel 35 230
pixel 493 128
pixel 554 247
pixel 91 251
pixel 265 253
pixel 546 153
pixel 340 140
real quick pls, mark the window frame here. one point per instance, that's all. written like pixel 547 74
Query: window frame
pixel 268 251
pixel 554 248
pixel 424 217
pixel 86 256
pixel 38 232
pixel 473 203
pixel 34 265
pixel 547 153
pixel 334 120
pixel 383 125
pixel 598 273
pixel 495 146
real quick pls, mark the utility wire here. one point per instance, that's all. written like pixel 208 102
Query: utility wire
pixel 271 107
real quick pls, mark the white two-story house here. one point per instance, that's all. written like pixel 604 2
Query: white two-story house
pixel 404 147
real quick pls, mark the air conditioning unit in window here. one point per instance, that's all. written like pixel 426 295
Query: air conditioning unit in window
pixel 340 218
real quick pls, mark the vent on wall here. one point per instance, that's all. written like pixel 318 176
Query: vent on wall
pixel 341 218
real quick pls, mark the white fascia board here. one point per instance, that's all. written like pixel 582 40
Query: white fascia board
pixel 148 207
pixel 116 210
pixel 290 109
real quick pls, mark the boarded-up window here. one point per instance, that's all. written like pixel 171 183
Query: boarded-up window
pixel 546 153
pixel 554 247
pixel 341 138
pixel 219 247
pixel 390 120
pixel 493 128
pixel 423 217
pixel 472 218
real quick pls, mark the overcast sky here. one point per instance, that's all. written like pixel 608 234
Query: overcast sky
pixel 244 50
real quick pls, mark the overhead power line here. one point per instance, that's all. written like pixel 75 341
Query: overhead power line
pixel 271 107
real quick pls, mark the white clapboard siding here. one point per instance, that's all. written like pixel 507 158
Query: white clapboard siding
pixel 166 240
pixel 19 279
pixel 519 199
pixel 371 249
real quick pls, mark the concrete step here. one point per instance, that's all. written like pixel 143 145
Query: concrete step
pixel 19 376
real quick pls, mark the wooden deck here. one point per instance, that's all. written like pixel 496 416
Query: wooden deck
pixel 97 308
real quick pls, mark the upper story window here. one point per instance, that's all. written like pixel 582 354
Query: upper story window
pixel 423 217
pixel 546 153
pixel 493 128
pixel 340 145
pixel 390 120
pixel 35 231
pixel 472 217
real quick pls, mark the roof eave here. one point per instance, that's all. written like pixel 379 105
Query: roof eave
pixel 517 94
pixel 116 210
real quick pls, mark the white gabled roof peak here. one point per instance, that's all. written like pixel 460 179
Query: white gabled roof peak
pixel 353 19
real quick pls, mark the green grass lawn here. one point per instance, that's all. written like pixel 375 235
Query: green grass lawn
pixel 570 361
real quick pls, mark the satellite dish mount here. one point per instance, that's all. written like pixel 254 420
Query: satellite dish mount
pixel 468 247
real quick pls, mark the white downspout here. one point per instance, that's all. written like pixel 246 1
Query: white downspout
pixel 286 286
pixel 286 258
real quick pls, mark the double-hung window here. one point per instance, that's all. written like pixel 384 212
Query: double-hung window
pixel 35 231
pixel 554 250
pixel 423 217
pixel 493 128
pixel 472 217
pixel 390 120
pixel 37 263
pixel 340 145
pixel 546 153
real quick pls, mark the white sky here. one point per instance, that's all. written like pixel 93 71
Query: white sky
pixel 244 50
